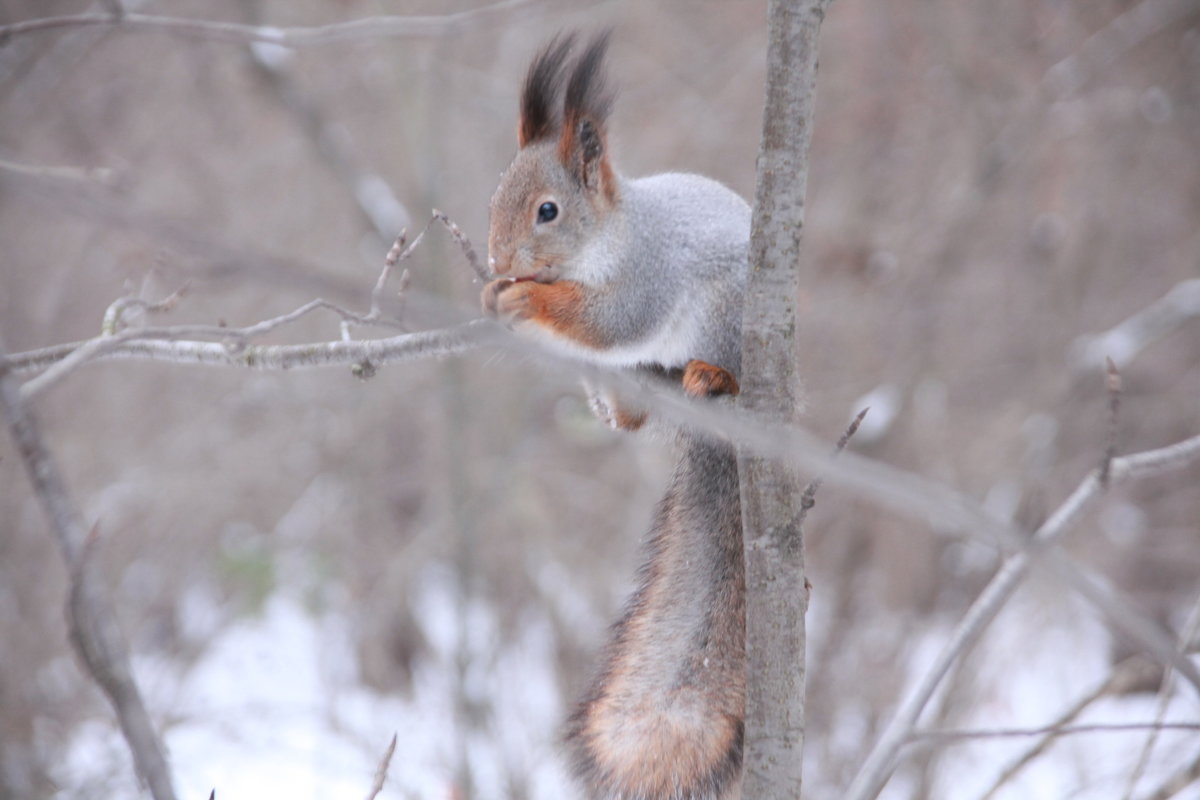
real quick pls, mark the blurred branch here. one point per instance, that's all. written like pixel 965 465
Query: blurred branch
pixel 381 27
pixel 1123 342
pixel 1126 31
pixel 809 498
pixel 103 175
pixel 1112 382
pixel 1175 784
pixel 881 761
pixel 381 772
pixel 1132 672
pixel 1053 731
pixel 373 196
pixel 1187 640
pixel 95 634
pixel 112 210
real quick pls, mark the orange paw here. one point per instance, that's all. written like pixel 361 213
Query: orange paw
pixel 701 379
pixel 508 300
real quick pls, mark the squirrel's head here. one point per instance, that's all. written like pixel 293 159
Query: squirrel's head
pixel 560 187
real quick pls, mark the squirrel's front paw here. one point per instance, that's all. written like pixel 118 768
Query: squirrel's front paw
pixel 507 300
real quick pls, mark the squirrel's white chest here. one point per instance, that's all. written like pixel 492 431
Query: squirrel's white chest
pixel 671 344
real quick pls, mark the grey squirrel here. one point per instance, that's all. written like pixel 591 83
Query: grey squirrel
pixel 643 273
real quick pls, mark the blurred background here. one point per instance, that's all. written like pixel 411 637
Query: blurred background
pixel 305 562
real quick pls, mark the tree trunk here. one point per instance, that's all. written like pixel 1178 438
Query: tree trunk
pixel 776 588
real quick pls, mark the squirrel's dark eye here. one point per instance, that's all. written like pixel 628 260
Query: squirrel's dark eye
pixel 547 212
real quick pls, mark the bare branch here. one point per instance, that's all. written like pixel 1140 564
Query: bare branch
pixel 234 340
pixel 1186 641
pixel 393 257
pixel 464 243
pixel 1127 30
pixel 1053 731
pixel 373 196
pixel 381 27
pixel 381 772
pixel 1113 385
pixel 1129 673
pixel 881 761
pixel 1182 779
pixel 1124 341
pixel 809 499
pixel 114 316
pixel 95 633
pixel 237 339
pixel 105 175
pixel 157 345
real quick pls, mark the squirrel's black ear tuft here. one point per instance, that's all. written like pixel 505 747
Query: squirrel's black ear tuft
pixel 586 106
pixel 587 93
pixel 539 96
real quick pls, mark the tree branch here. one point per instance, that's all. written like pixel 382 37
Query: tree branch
pixel 1053 731
pixel 95 634
pixel 776 586
pixel 161 345
pixel 1187 640
pixel 1125 340
pixel 1129 673
pixel 881 762
pixel 382 770
pixel 382 27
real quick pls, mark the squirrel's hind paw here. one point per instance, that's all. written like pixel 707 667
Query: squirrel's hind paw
pixel 701 379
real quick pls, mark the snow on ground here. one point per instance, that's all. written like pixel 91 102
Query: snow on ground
pixel 274 709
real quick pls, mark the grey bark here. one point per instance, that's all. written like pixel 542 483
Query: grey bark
pixel 776 590
pixel 95 634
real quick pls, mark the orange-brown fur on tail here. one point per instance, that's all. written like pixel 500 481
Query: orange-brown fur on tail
pixel 664 717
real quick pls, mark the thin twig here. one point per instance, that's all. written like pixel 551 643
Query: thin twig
pixel 809 498
pixel 1112 383
pixel 95 634
pixel 935 736
pixel 394 253
pixel 1186 641
pixel 465 244
pixel 233 340
pixel 105 175
pixel 382 770
pixel 114 315
pixel 380 27
pixel 1175 784
pixel 1131 672
pixel 881 761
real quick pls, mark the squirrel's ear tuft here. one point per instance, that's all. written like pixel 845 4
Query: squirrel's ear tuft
pixel 539 96
pixel 582 145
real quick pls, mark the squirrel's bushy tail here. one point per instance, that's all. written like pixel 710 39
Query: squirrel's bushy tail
pixel 664 718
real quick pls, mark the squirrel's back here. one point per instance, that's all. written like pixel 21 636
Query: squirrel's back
pixel 703 225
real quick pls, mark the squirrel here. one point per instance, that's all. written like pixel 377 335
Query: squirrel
pixel 647 274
